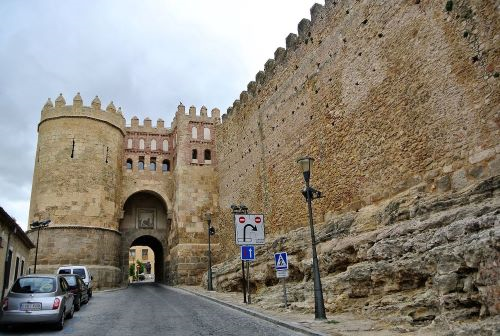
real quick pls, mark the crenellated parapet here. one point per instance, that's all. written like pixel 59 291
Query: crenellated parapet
pixel 304 36
pixel 59 109
pixel 197 116
pixel 147 126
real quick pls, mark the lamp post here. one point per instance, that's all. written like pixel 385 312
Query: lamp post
pixel 241 209
pixel 211 232
pixel 310 194
pixel 39 225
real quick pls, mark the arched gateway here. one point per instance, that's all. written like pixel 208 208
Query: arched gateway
pixel 145 223
pixel 107 186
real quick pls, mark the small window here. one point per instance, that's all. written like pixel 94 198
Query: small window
pixel 153 144
pixel 129 143
pixel 165 145
pixel 165 166
pixel 129 164
pixel 141 144
pixel 194 154
pixel 206 133
pixel 208 155
pixel 152 164
pixel 194 132
pixel 141 164
pixel 144 254
pixel 132 253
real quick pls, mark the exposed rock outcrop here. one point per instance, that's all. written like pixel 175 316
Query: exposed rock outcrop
pixel 415 260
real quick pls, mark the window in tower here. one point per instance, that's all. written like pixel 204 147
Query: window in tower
pixel 141 163
pixel 206 133
pixel 141 144
pixel 73 149
pixel 194 156
pixel 129 164
pixel 165 145
pixel 194 132
pixel 208 156
pixel 129 143
pixel 152 164
pixel 153 144
pixel 165 166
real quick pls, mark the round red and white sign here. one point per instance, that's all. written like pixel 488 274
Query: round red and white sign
pixel 258 220
pixel 242 219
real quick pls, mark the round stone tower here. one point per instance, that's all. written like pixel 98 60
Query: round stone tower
pixel 76 184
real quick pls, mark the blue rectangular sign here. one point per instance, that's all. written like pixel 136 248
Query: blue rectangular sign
pixel 281 261
pixel 247 252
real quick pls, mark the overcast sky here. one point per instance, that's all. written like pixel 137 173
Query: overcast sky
pixel 146 56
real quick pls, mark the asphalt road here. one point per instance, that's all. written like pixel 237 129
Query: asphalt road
pixel 152 309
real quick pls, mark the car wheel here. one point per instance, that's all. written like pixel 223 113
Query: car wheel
pixel 60 324
pixel 78 303
pixel 71 312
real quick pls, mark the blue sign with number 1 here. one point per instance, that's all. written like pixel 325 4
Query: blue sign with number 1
pixel 247 252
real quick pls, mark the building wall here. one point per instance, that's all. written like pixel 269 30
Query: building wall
pixel 384 95
pixel 15 240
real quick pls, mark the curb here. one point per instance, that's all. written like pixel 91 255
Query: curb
pixel 254 313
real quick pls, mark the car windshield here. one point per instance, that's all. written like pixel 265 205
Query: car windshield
pixel 80 272
pixel 64 271
pixel 34 285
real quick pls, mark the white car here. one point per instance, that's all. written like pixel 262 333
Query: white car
pixel 82 271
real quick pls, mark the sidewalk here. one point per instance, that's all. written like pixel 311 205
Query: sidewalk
pixel 336 325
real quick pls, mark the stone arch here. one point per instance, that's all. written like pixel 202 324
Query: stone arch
pixel 146 221
pixel 157 244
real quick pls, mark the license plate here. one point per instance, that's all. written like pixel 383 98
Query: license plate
pixel 29 306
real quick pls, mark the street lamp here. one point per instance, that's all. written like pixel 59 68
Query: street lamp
pixel 310 194
pixel 211 232
pixel 39 225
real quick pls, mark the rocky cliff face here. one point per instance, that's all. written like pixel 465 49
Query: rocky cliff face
pixel 415 260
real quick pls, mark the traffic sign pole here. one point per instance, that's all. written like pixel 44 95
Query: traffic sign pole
pixel 248 282
pixel 284 292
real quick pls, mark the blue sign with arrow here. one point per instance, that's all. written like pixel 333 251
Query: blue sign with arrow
pixel 247 252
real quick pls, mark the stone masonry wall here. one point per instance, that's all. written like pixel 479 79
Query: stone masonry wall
pixel 195 195
pixel 96 248
pixel 385 95
pixel 78 165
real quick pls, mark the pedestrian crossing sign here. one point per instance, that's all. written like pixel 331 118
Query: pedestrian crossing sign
pixel 280 261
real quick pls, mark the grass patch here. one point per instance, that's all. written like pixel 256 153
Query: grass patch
pixel 332 322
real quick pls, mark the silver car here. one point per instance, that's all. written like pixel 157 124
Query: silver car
pixel 38 298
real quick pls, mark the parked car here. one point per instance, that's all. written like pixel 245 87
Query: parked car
pixel 82 271
pixel 78 288
pixel 38 298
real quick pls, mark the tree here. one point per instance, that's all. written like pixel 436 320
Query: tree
pixel 141 267
pixel 131 270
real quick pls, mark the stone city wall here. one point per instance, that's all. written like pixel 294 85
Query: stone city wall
pixel 78 158
pixel 384 95
pixel 80 245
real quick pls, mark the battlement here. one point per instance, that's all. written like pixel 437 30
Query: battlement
pixel 305 36
pixel 147 126
pixel 59 109
pixel 193 116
